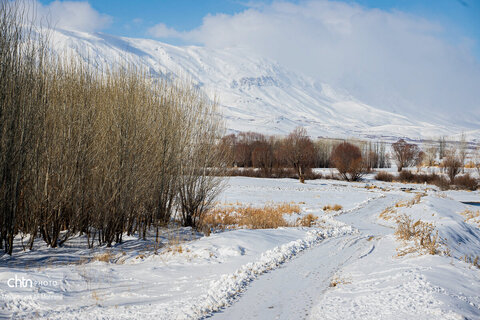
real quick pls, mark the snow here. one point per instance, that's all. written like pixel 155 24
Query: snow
pixel 255 93
pixel 347 267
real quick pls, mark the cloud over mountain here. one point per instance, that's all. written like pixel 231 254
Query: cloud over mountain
pixel 393 60
pixel 72 15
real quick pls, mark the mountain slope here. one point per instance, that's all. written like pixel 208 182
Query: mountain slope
pixel 254 93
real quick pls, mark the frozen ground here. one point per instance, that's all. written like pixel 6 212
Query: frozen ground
pixel 348 268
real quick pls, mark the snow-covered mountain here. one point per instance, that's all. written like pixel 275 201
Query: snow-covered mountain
pixel 256 94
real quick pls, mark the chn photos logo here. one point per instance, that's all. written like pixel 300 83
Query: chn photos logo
pixel 22 282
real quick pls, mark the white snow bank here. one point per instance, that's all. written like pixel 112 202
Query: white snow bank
pixel 223 292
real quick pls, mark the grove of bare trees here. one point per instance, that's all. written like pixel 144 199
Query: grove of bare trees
pixel 100 153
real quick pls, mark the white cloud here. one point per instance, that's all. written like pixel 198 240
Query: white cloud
pixel 162 31
pixel 391 60
pixel 73 15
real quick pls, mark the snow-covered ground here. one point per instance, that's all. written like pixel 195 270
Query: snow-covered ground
pixel 348 267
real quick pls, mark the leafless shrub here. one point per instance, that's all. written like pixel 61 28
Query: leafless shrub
pixel 384 176
pixel 466 182
pixel 407 176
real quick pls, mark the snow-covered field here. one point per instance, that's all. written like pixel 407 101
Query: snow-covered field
pixel 348 267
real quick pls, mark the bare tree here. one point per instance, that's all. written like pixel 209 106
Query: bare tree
pixel 431 152
pixel 347 158
pixel 452 163
pixel 198 188
pixel 442 147
pixel 324 149
pixel 21 95
pixel 95 152
pixel 476 160
pixel 463 150
pixel 405 154
pixel 299 151
pixel 263 156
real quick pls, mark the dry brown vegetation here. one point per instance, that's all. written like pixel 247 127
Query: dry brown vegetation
pixel 411 202
pixel 336 281
pixel 466 182
pixel 388 213
pixel 461 182
pixel 104 257
pixel 384 176
pixel 391 212
pixel 270 216
pixel 347 158
pixel 452 163
pixel 422 233
pixel 471 216
pixel 335 207
pixel 308 220
pixel 473 260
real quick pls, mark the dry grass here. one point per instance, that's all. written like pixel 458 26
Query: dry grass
pixel 422 233
pixel 409 203
pixel 471 216
pixel 104 257
pixel 96 297
pixel 388 213
pixel 308 220
pixel 270 216
pixel 470 165
pixel 175 249
pixel 336 281
pixel 330 207
pixel 474 261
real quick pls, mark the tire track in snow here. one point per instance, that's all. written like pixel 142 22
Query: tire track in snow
pixel 226 290
pixel 288 292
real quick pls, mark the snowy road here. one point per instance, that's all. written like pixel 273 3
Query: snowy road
pixel 291 291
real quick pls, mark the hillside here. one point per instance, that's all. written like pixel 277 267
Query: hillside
pixel 254 93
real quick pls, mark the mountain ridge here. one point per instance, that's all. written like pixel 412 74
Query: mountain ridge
pixel 255 93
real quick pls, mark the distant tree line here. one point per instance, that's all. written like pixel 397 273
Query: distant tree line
pixel 298 152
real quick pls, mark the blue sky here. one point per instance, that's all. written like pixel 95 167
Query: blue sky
pixel 134 18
